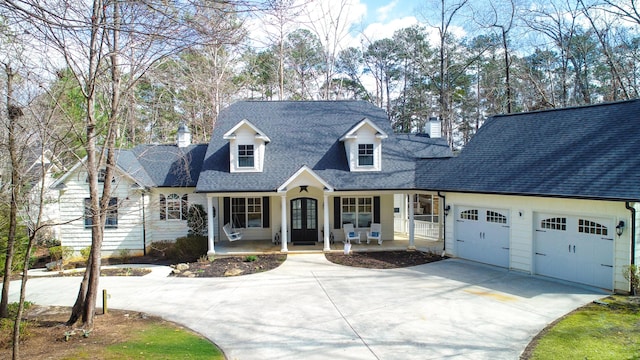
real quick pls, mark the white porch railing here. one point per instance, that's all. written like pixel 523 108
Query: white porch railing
pixel 422 229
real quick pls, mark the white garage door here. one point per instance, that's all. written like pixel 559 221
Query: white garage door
pixel 574 248
pixel 483 235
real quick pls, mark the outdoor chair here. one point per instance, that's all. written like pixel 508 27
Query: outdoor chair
pixel 375 233
pixel 232 234
pixel 350 233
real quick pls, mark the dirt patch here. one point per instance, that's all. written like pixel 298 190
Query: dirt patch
pixel 45 333
pixel 383 259
pixel 230 266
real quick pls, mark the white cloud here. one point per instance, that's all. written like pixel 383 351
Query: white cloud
pixel 383 12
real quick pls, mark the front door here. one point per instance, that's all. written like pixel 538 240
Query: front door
pixel 304 221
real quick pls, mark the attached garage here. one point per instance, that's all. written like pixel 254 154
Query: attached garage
pixel 568 179
pixel 482 235
pixel 575 248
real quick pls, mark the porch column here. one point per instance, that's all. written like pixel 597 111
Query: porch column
pixel 284 238
pixel 412 243
pixel 327 231
pixel 210 235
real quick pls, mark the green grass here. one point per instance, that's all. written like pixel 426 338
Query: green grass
pixel 595 332
pixel 164 343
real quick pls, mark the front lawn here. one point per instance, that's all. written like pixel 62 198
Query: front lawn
pixel 609 329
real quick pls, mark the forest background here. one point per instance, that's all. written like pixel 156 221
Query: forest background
pixel 82 79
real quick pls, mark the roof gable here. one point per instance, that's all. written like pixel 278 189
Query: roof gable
pixel 353 132
pixel 231 134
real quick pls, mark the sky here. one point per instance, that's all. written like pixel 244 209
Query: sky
pixel 366 20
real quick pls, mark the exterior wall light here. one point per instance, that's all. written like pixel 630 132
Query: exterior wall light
pixel 620 228
pixel 446 210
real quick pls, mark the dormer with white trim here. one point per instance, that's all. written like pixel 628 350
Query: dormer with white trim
pixel 363 146
pixel 247 146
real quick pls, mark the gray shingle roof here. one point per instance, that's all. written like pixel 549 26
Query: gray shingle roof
pixel 163 165
pixel 308 133
pixel 582 152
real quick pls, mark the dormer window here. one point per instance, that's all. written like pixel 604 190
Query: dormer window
pixel 245 156
pixel 363 146
pixel 247 146
pixel 365 154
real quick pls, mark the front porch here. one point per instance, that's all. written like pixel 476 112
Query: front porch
pixel 400 242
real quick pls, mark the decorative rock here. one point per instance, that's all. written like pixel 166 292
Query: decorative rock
pixel 182 267
pixel 54 265
pixel 233 272
pixel 175 271
pixel 187 273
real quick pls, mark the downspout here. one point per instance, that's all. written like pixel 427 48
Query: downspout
pixel 144 228
pixel 633 231
pixel 444 222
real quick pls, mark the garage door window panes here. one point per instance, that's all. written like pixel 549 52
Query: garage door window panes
pixel 495 217
pixel 558 223
pixel 590 227
pixel 469 215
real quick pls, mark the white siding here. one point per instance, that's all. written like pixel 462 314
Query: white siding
pixel 168 229
pixel 131 231
pixel 127 235
pixel 522 227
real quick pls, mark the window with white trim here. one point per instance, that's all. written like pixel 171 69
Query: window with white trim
pixel 245 156
pixel 111 221
pixel 357 211
pixel 365 154
pixel 174 207
pixel 246 212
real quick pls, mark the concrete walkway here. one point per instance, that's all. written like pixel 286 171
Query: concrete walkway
pixel 309 308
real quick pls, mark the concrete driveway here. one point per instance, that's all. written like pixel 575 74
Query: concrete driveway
pixel 311 309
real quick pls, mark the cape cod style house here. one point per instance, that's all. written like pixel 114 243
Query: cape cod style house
pixel 554 193
pixel 299 171
pixel 292 172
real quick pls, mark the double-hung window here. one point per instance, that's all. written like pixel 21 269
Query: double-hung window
pixel 111 221
pixel 365 154
pixel 357 211
pixel 245 156
pixel 246 212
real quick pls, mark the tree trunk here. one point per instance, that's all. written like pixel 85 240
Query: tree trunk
pixel 13 113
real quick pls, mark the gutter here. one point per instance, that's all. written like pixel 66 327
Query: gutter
pixel 444 223
pixel 633 231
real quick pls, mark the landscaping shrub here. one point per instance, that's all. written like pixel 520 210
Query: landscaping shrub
pixel 188 248
pixel 21 242
pixel 6 325
pixel 85 252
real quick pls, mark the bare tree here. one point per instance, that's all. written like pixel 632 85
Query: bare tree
pixel 96 41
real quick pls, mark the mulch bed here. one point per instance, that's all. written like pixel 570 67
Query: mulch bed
pixel 383 259
pixel 231 266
